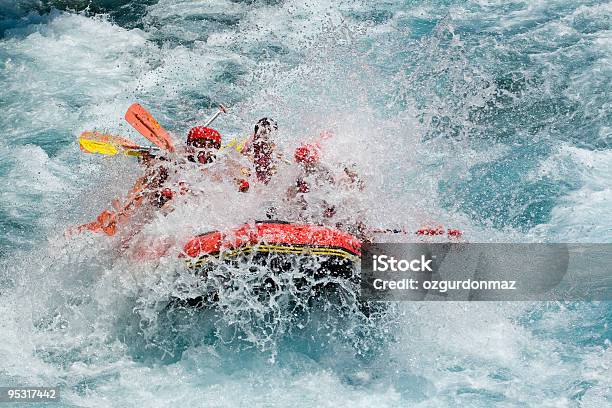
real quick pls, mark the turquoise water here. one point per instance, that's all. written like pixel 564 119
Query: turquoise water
pixel 490 116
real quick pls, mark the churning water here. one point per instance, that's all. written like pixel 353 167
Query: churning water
pixel 489 116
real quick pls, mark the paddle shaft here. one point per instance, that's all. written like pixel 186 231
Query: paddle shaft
pixel 216 115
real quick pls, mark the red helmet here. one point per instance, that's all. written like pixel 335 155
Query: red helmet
pixel 201 136
pixel 307 154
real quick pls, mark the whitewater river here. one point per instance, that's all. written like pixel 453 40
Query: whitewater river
pixel 489 116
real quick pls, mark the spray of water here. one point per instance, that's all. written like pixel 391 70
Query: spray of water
pixel 413 97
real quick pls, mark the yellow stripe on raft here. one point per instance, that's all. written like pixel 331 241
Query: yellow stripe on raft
pixel 283 249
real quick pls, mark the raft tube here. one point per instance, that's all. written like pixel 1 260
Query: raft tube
pixel 260 242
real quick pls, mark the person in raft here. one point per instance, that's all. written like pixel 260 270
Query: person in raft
pixel 202 147
pixel 262 151
pixel 315 176
pixel 316 185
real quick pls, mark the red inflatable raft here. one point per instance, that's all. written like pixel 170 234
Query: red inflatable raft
pixel 336 252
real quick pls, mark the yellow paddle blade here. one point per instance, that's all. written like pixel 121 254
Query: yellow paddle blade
pixel 134 153
pixel 102 143
pixel 236 144
pixel 106 138
pixel 95 146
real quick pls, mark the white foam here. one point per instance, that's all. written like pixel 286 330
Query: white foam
pixel 584 215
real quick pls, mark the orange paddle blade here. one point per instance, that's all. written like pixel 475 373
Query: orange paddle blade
pixel 143 122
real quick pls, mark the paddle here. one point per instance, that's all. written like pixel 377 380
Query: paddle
pixel 221 110
pixel 105 137
pixel 146 125
pixel 107 221
pixel 451 232
pixel 97 142
pixel 235 143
